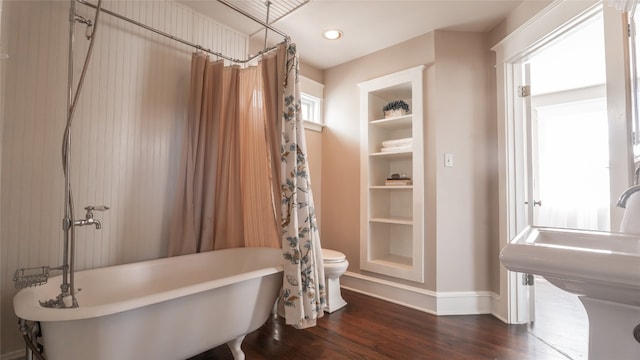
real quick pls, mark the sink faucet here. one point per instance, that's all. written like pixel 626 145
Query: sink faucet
pixel 89 220
pixel 622 200
pixel 636 176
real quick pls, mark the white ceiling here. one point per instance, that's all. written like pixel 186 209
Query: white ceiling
pixel 368 25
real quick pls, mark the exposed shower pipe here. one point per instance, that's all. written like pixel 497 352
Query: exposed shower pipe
pixel 30 332
pixel 266 30
pixel 67 287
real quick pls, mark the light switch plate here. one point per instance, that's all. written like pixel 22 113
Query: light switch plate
pixel 448 160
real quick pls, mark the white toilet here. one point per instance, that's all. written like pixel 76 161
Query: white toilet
pixel 335 264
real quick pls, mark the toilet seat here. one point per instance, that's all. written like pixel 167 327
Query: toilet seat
pixel 332 256
pixel 335 264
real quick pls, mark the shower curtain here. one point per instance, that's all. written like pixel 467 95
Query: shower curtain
pixel 244 178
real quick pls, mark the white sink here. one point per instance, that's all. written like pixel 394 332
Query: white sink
pixel 602 268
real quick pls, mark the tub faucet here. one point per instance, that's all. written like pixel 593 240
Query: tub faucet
pixel 88 218
pixel 622 200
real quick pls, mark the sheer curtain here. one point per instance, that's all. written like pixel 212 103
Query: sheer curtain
pixel 244 178
pixel 573 165
pixel 224 193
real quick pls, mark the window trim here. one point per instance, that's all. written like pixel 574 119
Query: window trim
pixel 314 92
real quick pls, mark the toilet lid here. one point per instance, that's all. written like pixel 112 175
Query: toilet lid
pixel 332 256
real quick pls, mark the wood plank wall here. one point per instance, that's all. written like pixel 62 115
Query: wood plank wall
pixel 127 132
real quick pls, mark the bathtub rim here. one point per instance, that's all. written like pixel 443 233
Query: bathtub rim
pixel 26 302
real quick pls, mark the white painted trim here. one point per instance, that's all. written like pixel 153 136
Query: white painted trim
pixel 464 302
pixel 407 296
pixel 496 306
pixel 14 355
pixel 313 126
pixel 443 303
pixel 372 251
pixel 316 90
pixel 548 24
pixel 551 22
pixel 567 96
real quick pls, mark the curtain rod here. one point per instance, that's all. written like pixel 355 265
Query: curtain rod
pixel 185 42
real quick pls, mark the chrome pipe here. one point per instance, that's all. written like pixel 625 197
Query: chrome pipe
pixel 64 287
pixel 68 268
pixel 188 43
pixel 29 334
pixel 266 30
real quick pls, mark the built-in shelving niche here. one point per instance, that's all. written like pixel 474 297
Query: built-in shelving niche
pixel 392 217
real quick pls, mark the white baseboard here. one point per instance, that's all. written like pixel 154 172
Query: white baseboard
pixel 15 355
pixel 437 303
pixel 464 302
pixel 497 308
pixel 408 296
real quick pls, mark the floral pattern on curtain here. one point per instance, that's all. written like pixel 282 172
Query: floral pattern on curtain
pixel 244 177
pixel 304 293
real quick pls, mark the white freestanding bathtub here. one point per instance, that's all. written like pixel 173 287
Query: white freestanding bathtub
pixel 171 308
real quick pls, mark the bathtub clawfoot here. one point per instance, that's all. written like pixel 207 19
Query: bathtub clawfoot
pixel 249 278
pixel 234 345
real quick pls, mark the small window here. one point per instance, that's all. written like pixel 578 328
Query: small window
pixel 310 108
pixel 311 94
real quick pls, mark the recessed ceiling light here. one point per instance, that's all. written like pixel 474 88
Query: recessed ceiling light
pixel 332 34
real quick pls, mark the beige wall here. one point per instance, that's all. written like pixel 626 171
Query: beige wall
pixel 461 203
pixel 314 147
pixel 459 120
pixel 341 148
pixel 521 15
pixel 459 116
pixel 311 72
pixel 314 156
pixel 314 143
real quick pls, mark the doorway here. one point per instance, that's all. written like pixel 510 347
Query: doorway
pixel 569 133
pixel 567 154
pixel 554 22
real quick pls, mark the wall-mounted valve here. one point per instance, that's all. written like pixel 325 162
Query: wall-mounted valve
pixel 89 220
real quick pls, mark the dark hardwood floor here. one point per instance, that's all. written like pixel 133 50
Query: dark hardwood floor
pixel 369 328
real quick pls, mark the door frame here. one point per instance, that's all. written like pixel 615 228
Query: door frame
pixel 555 20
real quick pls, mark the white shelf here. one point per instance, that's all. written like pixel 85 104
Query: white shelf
pixel 394 260
pixel 389 220
pixel 392 123
pixel 392 217
pixel 393 154
pixel 391 187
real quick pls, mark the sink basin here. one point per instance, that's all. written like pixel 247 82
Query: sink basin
pixel 601 265
pixel 602 268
